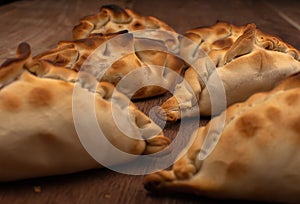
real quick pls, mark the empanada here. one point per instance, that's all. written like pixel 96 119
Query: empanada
pixel 111 57
pixel 257 156
pixel 112 19
pixel 38 135
pixel 241 60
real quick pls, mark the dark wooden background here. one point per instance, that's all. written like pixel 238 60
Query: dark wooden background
pixel 44 23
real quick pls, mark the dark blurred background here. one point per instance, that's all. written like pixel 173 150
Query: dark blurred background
pixel 6 1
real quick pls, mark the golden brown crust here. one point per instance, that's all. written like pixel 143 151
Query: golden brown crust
pixel 139 52
pixel 39 97
pixel 38 135
pixel 112 18
pixel 219 37
pixel 112 21
pixel 8 73
pixel 244 59
pixel 256 158
pixel 72 54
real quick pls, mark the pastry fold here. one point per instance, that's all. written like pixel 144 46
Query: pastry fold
pixel 112 57
pixel 117 42
pixel 112 19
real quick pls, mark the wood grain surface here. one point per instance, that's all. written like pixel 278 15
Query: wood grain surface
pixel 43 23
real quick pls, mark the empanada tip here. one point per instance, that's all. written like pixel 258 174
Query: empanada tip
pixel 156 181
pixel 169 110
pixel 152 182
pixel 156 144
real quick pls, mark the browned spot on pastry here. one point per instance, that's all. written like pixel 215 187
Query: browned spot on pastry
pixel 292 99
pixel 118 64
pixel 85 26
pixel 236 169
pixel 140 93
pixel 221 31
pixel 273 113
pixel 11 102
pixel 83 57
pixel 47 136
pixel 117 12
pixel 40 97
pixel 87 42
pixel 60 60
pixel 110 30
pixel 248 124
pixel 223 43
pixel 138 25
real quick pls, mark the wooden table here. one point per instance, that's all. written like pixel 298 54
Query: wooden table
pixel 44 23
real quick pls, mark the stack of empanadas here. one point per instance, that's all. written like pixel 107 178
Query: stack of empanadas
pixel 50 104
pixel 111 57
pixel 122 41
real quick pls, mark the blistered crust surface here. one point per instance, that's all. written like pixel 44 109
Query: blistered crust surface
pixel 258 146
pixel 38 135
pixel 112 18
pixel 111 57
pixel 241 59
pixel 221 37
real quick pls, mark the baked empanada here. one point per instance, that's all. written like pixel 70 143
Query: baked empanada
pixel 112 19
pixel 257 156
pixel 240 60
pixel 111 57
pixel 155 44
pixel 38 136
